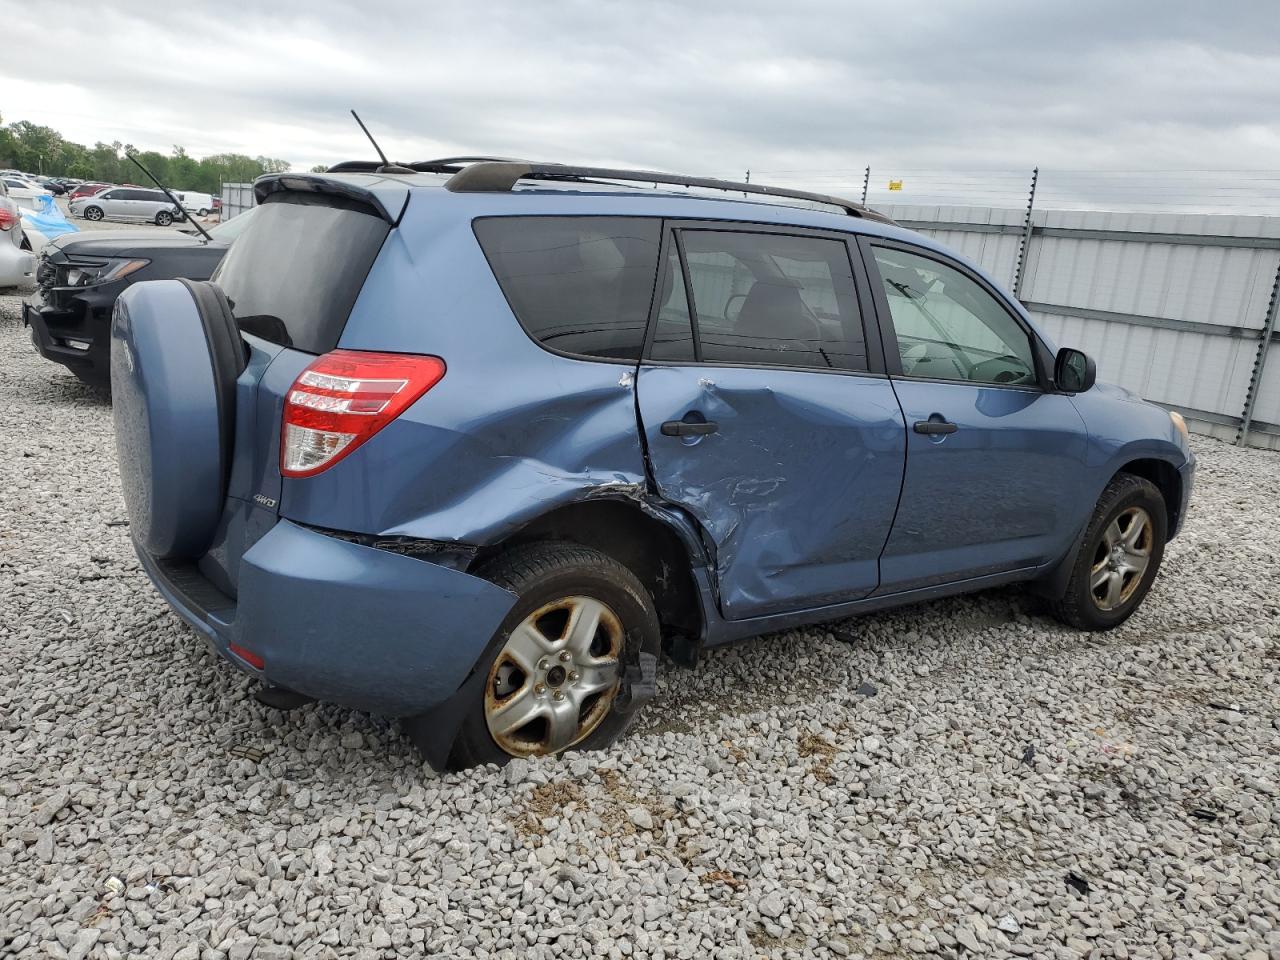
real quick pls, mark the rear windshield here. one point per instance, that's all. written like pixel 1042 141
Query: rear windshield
pixel 579 285
pixel 294 274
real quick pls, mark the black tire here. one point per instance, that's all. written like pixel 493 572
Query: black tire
pixel 164 218
pixel 202 213
pixel 1078 606
pixel 541 573
pixel 93 213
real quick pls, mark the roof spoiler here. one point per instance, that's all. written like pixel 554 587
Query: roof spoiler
pixel 483 176
pixel 386 198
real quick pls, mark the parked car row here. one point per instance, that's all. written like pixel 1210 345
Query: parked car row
pixel 106 201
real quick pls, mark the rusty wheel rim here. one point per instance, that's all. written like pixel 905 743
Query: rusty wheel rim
pixel 555 679
pixel 1121 558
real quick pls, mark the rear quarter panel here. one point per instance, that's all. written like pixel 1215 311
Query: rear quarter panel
pixel 510 432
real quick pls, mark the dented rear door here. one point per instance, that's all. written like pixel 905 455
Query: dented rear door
pixel 767 415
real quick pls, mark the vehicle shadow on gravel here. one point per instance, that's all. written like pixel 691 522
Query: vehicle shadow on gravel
pixel 62 390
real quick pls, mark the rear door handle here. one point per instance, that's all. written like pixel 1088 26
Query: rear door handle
pixel 683 428
pixel 934 427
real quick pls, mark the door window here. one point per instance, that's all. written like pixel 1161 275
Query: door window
pixel 948 327
pixel 764 298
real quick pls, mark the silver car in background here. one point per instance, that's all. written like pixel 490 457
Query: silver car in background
pixel 127 203
pixel 17 265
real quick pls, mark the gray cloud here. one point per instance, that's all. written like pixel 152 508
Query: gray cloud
pixel 806 91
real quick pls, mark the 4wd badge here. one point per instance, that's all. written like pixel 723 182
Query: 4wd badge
pixel 264 501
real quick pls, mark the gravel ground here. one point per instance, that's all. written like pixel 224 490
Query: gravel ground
pixel 965 778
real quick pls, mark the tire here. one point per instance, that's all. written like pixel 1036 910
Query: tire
pixel 164 218
pixel 93 213
pixel 175 357
pixel 202 213
pixel 543 575
pixel 1104 591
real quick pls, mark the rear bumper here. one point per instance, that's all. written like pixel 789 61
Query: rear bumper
pixel 341 622
pixel 17 266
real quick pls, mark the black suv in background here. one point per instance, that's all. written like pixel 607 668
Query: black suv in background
pixel 80 275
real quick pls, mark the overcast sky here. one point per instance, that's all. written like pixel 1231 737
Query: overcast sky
pixel 799 91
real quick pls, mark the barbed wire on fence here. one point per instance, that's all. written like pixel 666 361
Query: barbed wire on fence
pixel 1241 192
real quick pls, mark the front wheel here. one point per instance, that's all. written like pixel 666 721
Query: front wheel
pixel 1120 556
pixel 93 213
pixel 164 218
pixel 555 682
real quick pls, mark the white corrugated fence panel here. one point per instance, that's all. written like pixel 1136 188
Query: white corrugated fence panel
pixel 996 253
pixel 236 199
pixel 1182 368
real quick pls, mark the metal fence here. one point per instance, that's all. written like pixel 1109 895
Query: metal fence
pixel 236 199
pixel 1179 308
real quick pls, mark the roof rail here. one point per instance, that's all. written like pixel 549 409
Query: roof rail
pixel 485 175
pixel 443 165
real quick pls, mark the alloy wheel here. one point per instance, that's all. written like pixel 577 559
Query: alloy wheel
pixel 555 678
pixel 1121 558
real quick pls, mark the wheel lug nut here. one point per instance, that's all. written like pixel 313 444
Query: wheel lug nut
pixel 558 694
pixel 573 676
pixel 544 663
pixel 565 656
pixel 539 689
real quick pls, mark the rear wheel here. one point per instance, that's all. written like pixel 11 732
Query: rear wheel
pixel 164 218
pixel 1119 558
pixel 202 212
pixel 555 680
pixel 93 213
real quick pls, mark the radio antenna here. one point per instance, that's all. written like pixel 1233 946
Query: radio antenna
pixel 381 156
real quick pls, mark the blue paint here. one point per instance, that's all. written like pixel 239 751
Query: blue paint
pixel 989 497
pixel 349 624
pixel 813 500
pixel 797 487
pixel 167 434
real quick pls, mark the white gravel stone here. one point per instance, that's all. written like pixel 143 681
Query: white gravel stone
pixel 755 809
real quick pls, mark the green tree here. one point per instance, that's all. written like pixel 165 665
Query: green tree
pixel 39 149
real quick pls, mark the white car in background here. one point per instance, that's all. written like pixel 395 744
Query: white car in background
pixel 200 204
pixel 126 203
pixel 17 264
pixel 24 192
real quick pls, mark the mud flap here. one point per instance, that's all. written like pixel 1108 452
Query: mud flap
pixel 637 684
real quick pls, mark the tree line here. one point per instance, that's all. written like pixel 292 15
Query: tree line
pixel 36 149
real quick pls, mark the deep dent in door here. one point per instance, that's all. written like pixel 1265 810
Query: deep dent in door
pixel 780 508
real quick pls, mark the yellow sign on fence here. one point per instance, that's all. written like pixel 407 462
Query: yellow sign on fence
pixel 895 184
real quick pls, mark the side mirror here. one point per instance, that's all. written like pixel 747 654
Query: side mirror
pixel 1074 370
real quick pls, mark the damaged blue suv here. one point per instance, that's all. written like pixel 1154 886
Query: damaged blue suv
pixel 473 443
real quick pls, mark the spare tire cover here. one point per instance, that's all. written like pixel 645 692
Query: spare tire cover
pixel 174 413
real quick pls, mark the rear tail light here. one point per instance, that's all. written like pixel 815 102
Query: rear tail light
pixel 342 399
pixel 8 217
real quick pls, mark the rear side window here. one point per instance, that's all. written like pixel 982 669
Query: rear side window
pixel 294 274
pixel 579 285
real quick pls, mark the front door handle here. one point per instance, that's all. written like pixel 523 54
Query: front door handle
pixel 685 428
pixel 934 427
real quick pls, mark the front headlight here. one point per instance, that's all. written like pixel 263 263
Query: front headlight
pixel 1181 424
pixel 86 275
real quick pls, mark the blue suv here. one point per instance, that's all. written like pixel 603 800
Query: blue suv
pixel 473 443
